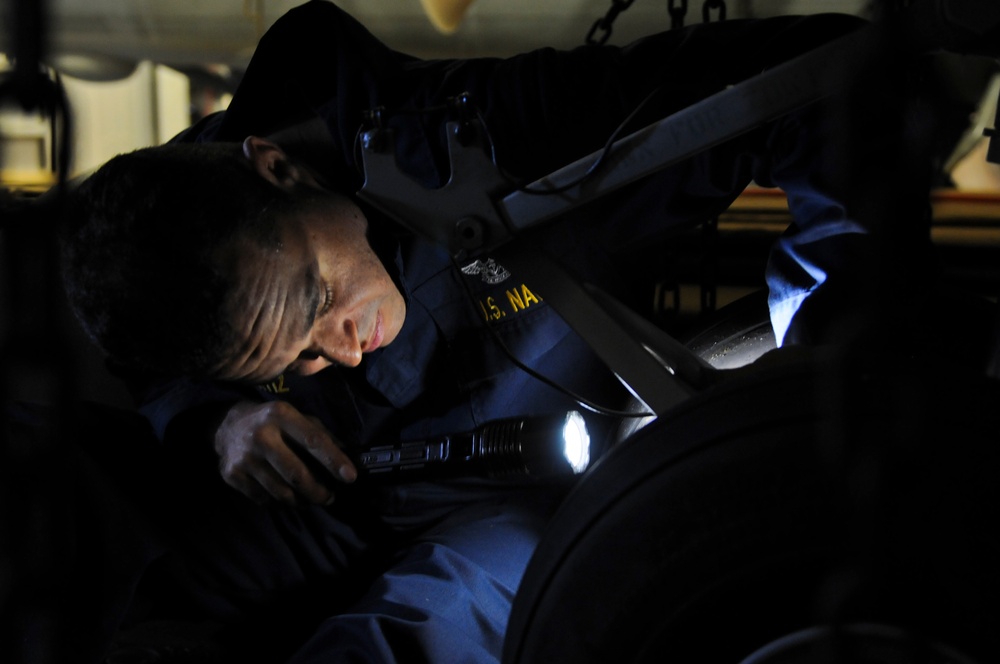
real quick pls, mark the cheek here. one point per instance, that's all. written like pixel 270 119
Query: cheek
pixel 372 273
pixel 398 311
pixel 382 291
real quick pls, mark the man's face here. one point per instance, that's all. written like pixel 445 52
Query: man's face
pixel 320 297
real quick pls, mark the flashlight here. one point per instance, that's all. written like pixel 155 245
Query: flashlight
pixel 547 446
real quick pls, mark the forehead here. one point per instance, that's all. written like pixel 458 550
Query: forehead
pixel 269 300
pixel 252 259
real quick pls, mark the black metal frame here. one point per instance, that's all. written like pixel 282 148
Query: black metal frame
pixel 474 213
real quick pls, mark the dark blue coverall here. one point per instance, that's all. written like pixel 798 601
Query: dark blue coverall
pixel 427 571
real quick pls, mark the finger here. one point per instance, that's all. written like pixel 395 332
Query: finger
pixel 296 474
pixel 253 488
pixel 272 487
pixel 314 439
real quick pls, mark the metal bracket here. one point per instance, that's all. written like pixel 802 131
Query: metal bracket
pixel 461 215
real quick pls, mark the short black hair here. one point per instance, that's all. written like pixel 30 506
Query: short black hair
pixel 140 251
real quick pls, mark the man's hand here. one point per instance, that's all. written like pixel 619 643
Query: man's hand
pixel 271 451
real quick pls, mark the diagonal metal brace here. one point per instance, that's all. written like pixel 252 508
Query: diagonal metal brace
pixel 658 370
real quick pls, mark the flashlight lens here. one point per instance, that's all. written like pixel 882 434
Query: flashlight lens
pixel 576 442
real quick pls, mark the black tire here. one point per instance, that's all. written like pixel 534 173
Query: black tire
pixel 807 491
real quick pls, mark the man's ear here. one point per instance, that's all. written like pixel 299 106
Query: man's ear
pixel 272 164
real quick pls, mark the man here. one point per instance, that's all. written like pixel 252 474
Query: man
pixel 260 310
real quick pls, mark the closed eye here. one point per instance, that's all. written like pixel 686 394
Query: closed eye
pixel 327 301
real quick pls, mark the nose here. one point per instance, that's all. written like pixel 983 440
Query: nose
pixel 336 342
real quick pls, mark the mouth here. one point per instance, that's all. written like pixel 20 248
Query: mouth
pixel 376 339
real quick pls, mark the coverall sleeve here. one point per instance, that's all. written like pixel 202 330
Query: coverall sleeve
pixel 546 108
pixel 162 399
pixel 543 110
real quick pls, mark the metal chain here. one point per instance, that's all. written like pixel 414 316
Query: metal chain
pixel 605 24
pixel 709 6
pixel 677 11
